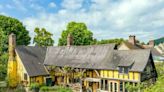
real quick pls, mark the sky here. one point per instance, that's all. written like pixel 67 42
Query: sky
pixel 107 19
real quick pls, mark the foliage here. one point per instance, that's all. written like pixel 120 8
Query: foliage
pixel 12 82
pixel 116 41
pixel 159 68
pixel 43 37
pixel 157 87
pixel 55 89
pixel 20 88
pixel 135 88
pixel 3 66
pixel 34 86
pixel 66 70
pixel 3 38
pixel 80 33
pixel 11 25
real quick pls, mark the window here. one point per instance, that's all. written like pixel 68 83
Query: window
pixel 106 84
pixel 111 87
pixel 126 70
pixel 115 87
pixel 25 76
pixel 120 69
pixel 121 86
pixel 123 70
pixel 102 83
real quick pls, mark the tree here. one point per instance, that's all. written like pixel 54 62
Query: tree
pixel 79 31
pixel 11 25
pixel 107 41
pixel 43 37
pixel 157 87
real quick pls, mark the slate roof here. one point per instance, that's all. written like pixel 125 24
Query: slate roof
pixel 131 46
pixel 97 57
pixel 137 58
pixel 93 57
pixel 32 59
pixel 89 57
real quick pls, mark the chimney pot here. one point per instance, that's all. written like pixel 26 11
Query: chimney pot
pixel 69 40
pixel 151 43
pixel 132 39
pixel 12 44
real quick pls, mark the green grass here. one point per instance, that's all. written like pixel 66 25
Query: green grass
pixel 55 89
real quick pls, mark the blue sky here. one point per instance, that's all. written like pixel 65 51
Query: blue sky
pixel 105 18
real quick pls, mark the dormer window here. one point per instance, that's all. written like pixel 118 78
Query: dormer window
pixel 125 65
pixel 123 70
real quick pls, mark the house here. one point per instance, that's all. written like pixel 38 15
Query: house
pixel 156 46
pixel 93 67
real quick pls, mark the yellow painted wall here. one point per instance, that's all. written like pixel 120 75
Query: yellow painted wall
pixel 38 79
pixel 115 75
pixel 12 73
pixel 21 70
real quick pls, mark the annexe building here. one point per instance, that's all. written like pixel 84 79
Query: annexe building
pixel 94 67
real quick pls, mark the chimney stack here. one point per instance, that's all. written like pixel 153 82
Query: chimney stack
pixel 69 40
pixel 12 44
pixel 151 43
pixel 132 39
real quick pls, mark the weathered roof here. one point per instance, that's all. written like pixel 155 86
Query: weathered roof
pixel 93 57
pixel 32 59
pixel 131 46
pixel 89 57
pixel 137 59
pixel 97 57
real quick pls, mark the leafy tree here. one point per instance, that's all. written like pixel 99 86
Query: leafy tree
pixel 157 87
pixel 116 41
pixel 43 37
pixel 11 25
pixel 79 31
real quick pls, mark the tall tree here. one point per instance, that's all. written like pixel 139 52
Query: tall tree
pixel 79 31
pixel 107 41
pixel 11 25
pixel 43 37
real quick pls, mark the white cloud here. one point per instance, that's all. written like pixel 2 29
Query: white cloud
pixel 106 19
pixel 3 13
pixel 72 4
pixel 36 7
pixel 52 5
pixel 19 5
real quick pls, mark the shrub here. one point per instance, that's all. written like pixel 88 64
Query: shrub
pixel 35 87
pixel 20 88
pixel 55 89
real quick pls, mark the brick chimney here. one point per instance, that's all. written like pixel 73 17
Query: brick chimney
pixel 132 39
pixel 12 44
pixel 151 43
pixel 69 40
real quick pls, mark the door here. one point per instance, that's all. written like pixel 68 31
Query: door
pixel 48 81
pixel 113 86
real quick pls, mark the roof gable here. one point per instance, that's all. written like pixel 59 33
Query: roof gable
pixel 32 59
